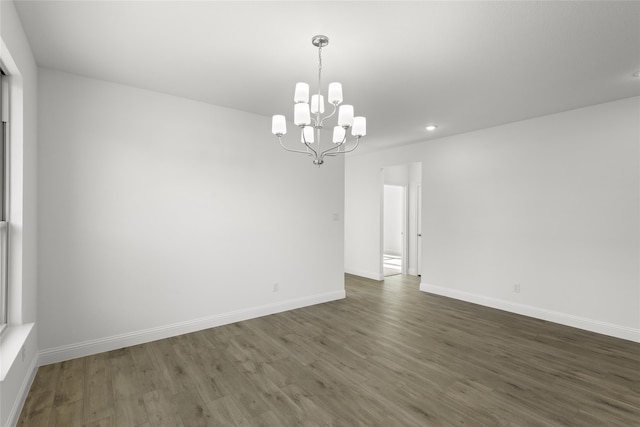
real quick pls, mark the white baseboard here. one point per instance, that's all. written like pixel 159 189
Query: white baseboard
pixel 16 409
pixel 86 348
pixel 364 273
pixel 599 327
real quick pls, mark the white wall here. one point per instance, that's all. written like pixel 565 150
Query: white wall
pixel 551 203
pixel 159 215
pixel 396 175
pixel 18 349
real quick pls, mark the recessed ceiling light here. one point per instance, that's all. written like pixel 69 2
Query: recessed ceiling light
pixel 636 74
pixel 431 127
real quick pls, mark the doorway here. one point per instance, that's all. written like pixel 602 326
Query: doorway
pixel 394 230
pixel 400 226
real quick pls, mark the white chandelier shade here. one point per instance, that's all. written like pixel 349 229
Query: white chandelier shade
pixel 307 115
pixel 307 135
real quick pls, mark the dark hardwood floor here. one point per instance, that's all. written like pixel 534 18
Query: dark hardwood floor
pixel 387 355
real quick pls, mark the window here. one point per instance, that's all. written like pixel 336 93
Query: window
pixel 4 226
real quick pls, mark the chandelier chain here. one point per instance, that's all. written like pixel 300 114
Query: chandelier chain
pixel 319 77
pixel 318 121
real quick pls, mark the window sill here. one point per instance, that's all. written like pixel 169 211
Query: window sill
pixel 11 342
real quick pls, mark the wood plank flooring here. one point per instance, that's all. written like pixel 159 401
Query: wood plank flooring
pixel 387 355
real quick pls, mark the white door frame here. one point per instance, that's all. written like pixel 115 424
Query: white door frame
pixel 419 230
pixel 405 229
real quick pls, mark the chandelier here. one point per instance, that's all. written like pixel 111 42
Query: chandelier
pixel 309 118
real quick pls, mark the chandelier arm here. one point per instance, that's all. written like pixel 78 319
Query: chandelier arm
pixel 345 151
pixel 309 147
pixel 332 151
pixel 335 108
pixel 296 151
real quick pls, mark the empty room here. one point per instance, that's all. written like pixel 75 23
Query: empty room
pixel 319 213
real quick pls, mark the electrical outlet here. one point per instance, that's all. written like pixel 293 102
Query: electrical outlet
pixel 516 288
pixel 276 287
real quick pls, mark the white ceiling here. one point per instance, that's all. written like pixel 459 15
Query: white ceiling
pixel 462 65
